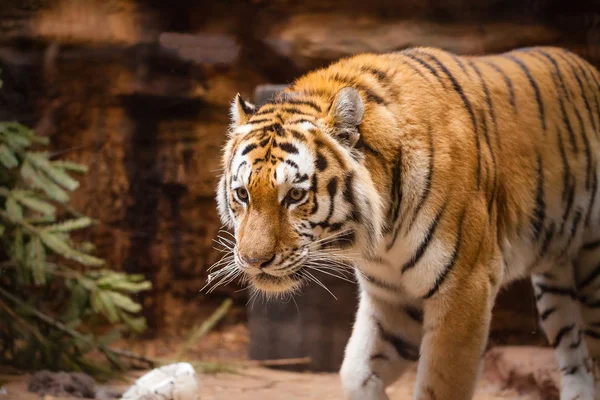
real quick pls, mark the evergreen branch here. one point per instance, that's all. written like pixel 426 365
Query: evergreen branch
pixel 35 187
pixel 70 166
pixel 54 243
pixel 40 160
pixel 35 332
pixel 73 333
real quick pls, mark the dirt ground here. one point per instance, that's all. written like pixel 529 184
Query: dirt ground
pixel 510 372
pixel 522 373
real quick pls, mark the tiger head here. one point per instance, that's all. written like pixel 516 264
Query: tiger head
pixel 295 189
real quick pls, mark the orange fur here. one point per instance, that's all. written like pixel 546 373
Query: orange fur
pixel 473 171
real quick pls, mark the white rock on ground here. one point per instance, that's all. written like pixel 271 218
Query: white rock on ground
pixel 171 382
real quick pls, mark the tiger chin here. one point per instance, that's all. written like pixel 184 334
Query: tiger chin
pixel 438 179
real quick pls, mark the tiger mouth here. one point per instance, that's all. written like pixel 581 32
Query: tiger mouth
pixel 271 283
pixel 272 279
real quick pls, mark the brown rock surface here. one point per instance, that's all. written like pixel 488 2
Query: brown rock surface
pixel 139 91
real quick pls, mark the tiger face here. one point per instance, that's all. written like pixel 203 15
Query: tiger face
pixel 290 188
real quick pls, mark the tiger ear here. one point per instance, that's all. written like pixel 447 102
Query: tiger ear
pixel 345 115
pixel 241 111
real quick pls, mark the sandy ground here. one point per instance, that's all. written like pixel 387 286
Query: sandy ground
pixel 523 373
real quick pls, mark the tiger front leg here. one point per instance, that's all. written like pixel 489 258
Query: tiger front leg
pixel 384 343
pixel 456 324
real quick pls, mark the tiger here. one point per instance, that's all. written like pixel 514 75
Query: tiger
pixel 439 178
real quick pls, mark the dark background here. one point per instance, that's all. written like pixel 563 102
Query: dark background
pixel 139 91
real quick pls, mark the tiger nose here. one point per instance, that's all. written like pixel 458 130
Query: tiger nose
pixel 258 262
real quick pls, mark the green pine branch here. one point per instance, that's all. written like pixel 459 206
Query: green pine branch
pixel 52 288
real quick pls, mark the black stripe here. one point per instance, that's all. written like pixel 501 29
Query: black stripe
pixel 558 73
pixel 559 82
pixel 591 333
pixel 370 149
pixel 258 121
pixel 403 348
pixel 556 290
pixel 332 187
pixel 297 135
pixel 467 104
pixel 300 178
pixel 279 131
pixel 426 65
pixel 379 283
pixel 584 72
pixel 590 304
pixel 379 74
pixel 414 313
pixel 395 195
pixel 593 191
pixel 544 316
pixel 586 66
pixel 349 196
pixel 591 245
pixel 308 103
pixel 450 265
pixel 246 108
pixel 574 226
pixel 509 84
pixel 460 64
pixel 534 85
pixel 313 189
pixel 486 135
pixel 296 111
pixel 587 150
pixel 561 334
pixel 569 206
pixel 249 148
pixel 488 100
pixel 370 95
pixel 583 91
pixel 567 122
pixel 267 110
pixel 548 239
pixel 539 212
pixel 332 150
pixel 321 162
pixel 565 162
pixel 292 164
pixel 288 147
pixel 299 121
pixel 425 243
pixel 427 187
pixel 589 279
pixel 569 370
pixel 265 142
pixel 237 171
pixel 415 69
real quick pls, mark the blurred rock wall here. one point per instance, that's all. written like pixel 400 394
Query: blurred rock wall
pixel 139 91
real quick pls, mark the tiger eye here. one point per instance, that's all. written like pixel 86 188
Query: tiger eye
pixel 296 194
pixel 242 193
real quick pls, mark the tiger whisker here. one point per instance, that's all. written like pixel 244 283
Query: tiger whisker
pixel 318 282
pixel 330 274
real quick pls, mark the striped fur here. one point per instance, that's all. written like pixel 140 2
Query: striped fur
pixel 449 176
